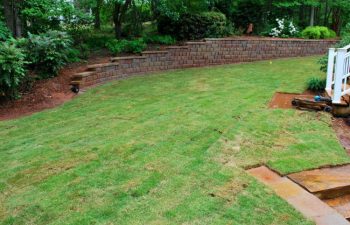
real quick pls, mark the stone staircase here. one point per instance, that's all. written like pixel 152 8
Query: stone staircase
pixel 97 73
pixel 331 185
pixel 298 193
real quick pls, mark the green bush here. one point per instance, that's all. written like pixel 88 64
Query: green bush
pixel 12 69
pixel 4 32
pixel 159 39
pixel 192 26
pixel 318 32
pixel 90 38
pixel 49 52
pixel 316 84
pixel 126 46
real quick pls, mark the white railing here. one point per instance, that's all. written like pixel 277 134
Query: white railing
pixel 338 73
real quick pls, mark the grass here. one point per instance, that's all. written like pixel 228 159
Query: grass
pixel 170 148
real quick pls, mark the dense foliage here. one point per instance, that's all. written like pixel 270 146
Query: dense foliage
pixel 48 52
pixel 4 32
pixel 318 32
pixel 316 84
pixel 159 39
pixel 193 26
pixel 125 46
pixel 12 69
pixel 49 29
pixel 284 28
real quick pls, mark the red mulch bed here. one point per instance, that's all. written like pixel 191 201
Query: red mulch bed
pixel 281 100
pixel 48 93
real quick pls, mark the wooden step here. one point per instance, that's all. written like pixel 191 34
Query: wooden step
pixel 341 205
pixel 325 183
pixel 345 100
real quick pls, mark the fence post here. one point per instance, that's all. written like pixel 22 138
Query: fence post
pixel 339 73
pixel 330 69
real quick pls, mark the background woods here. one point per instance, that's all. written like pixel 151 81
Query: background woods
pixel 45 35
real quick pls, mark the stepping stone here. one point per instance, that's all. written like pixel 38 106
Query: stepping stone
pixel 341 204
pixel 309 205
pixel 325 183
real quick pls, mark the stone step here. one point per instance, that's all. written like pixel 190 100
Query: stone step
pixel 116 59
pixel 155 52
pixel 101 65
pixel 82 74
pixel 340 204
pixel 306 203
pixel 326 183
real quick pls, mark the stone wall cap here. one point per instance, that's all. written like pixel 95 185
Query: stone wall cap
pixel 270 39
pixel 113 59
pixel 154 52
pixel 196 43
pixel 177 47
pixel 83 74
pixel 94 66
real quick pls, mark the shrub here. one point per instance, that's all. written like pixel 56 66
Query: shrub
pixel 93 40
pixel 159 39
pixel 126 46
pixel 284 29
pixel 191 26
pixel 316 84
pixel 318 32
pixel 12 64
pixel 49 52
pixel 4 32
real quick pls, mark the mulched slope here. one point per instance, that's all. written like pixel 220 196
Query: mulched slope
pixel 48 93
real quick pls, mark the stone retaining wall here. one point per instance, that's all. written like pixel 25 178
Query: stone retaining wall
pixel 206 53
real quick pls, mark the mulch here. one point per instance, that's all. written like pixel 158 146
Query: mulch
pixel 49 93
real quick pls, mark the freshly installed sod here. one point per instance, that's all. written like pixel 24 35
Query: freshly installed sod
pixel 170 148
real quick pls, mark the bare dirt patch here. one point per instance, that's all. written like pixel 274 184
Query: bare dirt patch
pixel 48 93
pixel 341 127
pixel 281 100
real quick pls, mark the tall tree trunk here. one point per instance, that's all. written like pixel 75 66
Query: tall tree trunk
pixel 336 20
pixel 325 19
pixel 13 21
pixel 118 15
pixel 97 12
pixel 312 16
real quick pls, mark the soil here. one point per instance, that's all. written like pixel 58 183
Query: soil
pixel 282 100
pixel 341 127
pixel 49 93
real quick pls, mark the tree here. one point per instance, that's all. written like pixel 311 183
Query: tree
pixel 13 21
pixel 120 8
pixel 97 12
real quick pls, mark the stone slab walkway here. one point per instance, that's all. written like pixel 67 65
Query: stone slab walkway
pixel 325 183
pixel 308 204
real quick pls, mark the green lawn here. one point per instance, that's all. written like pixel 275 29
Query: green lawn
pixel 170 148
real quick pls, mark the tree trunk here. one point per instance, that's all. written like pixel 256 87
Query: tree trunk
pixel 336 20
pixel 325 19
pixel 13 21
pixel 118 15
pixel 97 12
pixel 312 16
